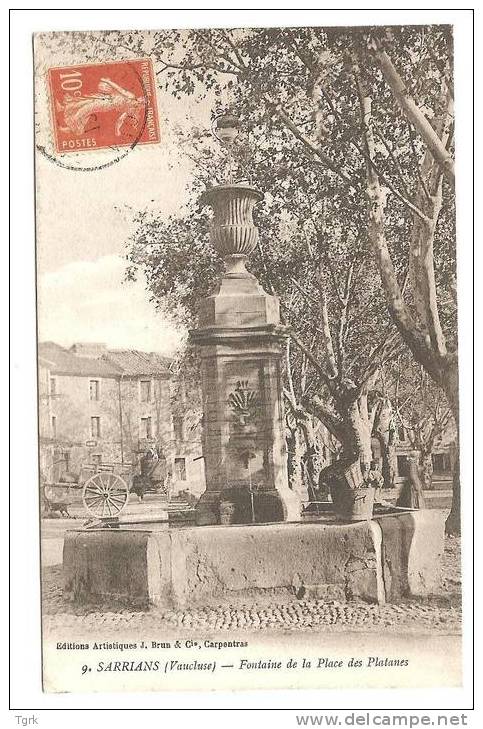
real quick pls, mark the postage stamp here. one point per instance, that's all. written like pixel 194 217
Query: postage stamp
pixel 104 105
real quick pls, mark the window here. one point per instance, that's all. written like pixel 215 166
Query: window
pixel 53 386
pixel 145 390
pixel 146 428
pixel 94 389
pixel 180 469
pixel 95 427
pixel 401 432
pixel 178 427
pixel 441 462
pixel 54 426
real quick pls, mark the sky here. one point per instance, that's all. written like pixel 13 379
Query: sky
pixel 87 300
pixel 84 219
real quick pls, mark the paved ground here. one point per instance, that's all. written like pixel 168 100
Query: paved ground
pixel 438 614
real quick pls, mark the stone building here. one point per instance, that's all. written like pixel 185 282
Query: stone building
pixel 442 456
pixel 443 453
pixel 99 405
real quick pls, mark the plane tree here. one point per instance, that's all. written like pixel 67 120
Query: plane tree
pixel 367 114
pixel 322 270
pixel 372 109
pixel 421 409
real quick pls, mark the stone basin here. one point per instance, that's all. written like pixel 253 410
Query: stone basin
pixel 387 559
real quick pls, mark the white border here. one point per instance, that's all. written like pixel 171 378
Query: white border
pixel 26 692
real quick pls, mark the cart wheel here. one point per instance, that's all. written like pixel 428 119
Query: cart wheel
pixel 105 494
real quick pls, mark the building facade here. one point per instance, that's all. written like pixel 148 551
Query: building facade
pixel 443 454
pixel 99 405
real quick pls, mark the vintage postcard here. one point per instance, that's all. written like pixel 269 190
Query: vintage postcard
pixel 248 358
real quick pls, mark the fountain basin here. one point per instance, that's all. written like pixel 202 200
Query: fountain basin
pixel 383 560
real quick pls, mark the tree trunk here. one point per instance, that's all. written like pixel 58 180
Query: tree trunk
pixel 428 348
pixel 453 522
pixel 294 462
pixel 426 468
pixel 450 386
pixel 388 470
pixel 350 423
pixel 383 430
pixel 411 496
pixel 357 431
pixel 311 460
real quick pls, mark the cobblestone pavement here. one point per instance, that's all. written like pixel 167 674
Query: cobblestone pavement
pixel 439 613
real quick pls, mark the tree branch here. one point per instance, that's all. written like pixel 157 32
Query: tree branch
pixel 415 156
pixel 414 114
pixel 282 114
pixel 368 158
pixel 332 422
pixel 344 317
pixel 421 259
pixel 326 333
pixel 415 339
pixel 310 357
pixel 239 57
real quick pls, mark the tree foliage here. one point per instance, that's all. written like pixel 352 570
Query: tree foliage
pixel 349 132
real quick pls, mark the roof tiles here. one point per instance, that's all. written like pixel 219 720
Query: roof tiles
pixel 134 362
pixel 113 363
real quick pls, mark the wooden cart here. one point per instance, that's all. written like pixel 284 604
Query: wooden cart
pixel 106 492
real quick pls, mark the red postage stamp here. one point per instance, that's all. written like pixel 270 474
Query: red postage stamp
pixel 101 105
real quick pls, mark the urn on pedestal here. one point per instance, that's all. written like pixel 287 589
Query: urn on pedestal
pixel 240 337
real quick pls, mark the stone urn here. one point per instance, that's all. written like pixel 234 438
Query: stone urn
pixel 233 233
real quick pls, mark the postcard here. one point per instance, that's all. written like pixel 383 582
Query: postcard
pixel 248 358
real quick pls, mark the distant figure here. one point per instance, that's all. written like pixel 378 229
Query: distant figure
pixel 323 492
pixel 375 479
pixel 168 484
pixel 153 474
pixel 142 481
pixel 412 496
pixel 149 461
pixel 328 476
pixel 332 478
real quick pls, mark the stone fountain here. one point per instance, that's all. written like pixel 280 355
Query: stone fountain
pixel 250 544
pixel 240 341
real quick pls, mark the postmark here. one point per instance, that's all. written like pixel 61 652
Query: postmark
pixel 103 106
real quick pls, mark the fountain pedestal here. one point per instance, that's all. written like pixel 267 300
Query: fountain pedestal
pixel 240 341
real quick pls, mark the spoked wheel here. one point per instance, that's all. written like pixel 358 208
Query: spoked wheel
pixel 105 495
